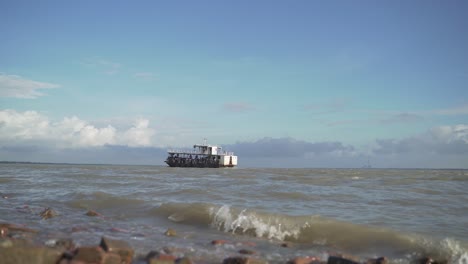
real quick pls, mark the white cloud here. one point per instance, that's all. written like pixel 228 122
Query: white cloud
pixel 452 140
pixel 18 87
pixel 289 147
pixel 30 127
pixel 449 134
pixel 139 135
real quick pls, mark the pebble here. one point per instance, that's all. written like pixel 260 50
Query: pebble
pixel 170 232
pixel 92 213
pixel 246 252
pixel 48 213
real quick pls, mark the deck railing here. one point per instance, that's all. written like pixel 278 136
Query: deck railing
pixel 185 151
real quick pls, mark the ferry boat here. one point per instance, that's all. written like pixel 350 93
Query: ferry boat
pixel 202 156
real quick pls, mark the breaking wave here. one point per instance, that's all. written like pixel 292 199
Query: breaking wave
pixel 313 230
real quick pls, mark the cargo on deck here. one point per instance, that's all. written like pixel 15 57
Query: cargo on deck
pixel 202 156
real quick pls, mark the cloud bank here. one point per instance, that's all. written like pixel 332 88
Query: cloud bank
pixel 289 147
pixel 14 86
pixel 442 140
pixel 31 136
pixel 33 128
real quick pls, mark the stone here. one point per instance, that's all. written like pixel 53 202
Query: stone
pixel 6 242
pixel 24 255
pixel 17 228
pixel 151 254
pixel 89 255
pixel 67 256
pixel 380 260
pixel 111 258
pixel 169 250
pixel 3 231
pixel 184 260
pixel 92 213
pixel 162 259
pixel 219 242
pixel 170 232
pixel 429 260
pixel 246 252
pixel 235 260
pixel 341 260
pixel 119 247
pixel 63 244
pixel 305 260
pixel 243 260
pixel 48 213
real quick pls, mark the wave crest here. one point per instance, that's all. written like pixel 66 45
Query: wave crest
pixel 315 230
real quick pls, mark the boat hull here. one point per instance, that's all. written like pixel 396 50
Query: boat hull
pixel 196 163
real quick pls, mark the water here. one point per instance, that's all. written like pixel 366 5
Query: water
pixel 401 214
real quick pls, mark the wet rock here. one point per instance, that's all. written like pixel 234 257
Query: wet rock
pixel 119 247
pixel 66 257
pixel 19 255
pixel 92 255
pixel 168 250
pixel 380 260
pixel 341 260
pixel 151 254
pixel 424 260
pixel 48 213
pixel 92 213
pixel 184 260
pixel 3 231
pixel 243 260
pixel 89 255
pixel 219 242
pixel 157 258
pixel 61 244
pixel 5 243
pixel 170 232
pixel 246 252
pixel 17 228
pixel 285 245
pixel 305 260
pixel 112 258
pixel 429 260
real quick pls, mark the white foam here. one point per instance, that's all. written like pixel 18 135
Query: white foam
pixel 273 228
pixel 458 253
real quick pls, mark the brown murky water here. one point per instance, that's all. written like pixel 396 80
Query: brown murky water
pixel 401 214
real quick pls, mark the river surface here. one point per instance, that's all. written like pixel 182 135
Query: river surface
pixel 400 214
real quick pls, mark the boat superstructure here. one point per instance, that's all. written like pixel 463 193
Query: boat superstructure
pixel 201 156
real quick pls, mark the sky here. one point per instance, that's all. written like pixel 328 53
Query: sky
pixel 282 83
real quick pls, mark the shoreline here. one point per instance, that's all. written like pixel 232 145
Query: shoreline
pixel 21 244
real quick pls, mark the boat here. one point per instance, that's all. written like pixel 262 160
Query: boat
pixel 201 156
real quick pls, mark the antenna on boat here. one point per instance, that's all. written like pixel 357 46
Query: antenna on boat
pixel 204 141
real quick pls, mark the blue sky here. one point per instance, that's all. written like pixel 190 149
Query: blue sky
pixel 385 80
